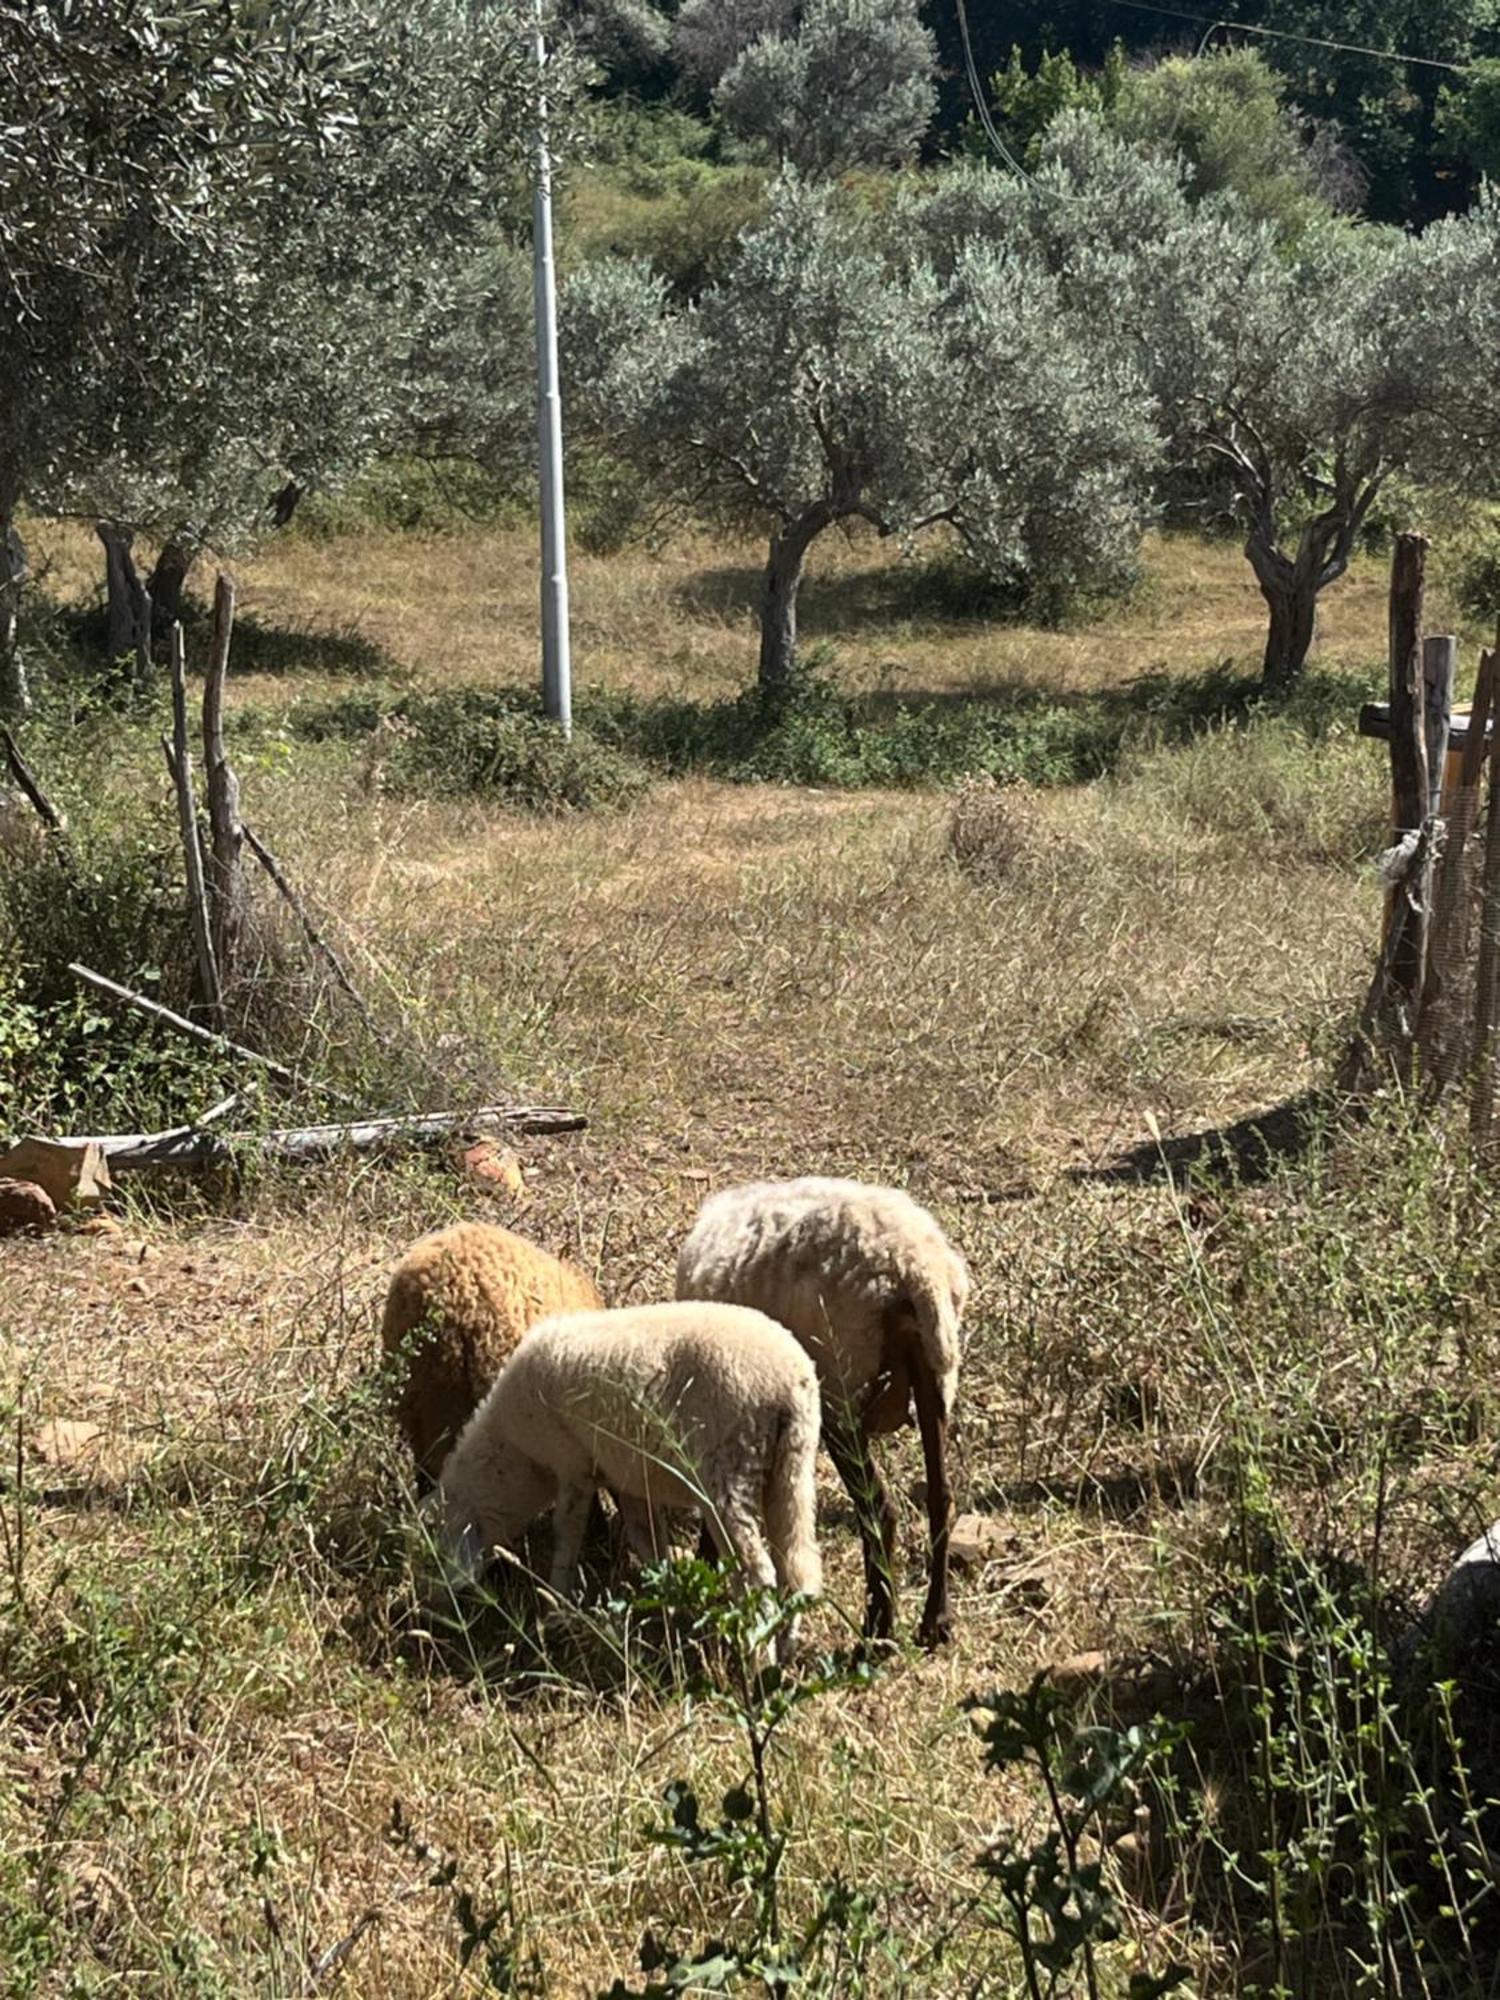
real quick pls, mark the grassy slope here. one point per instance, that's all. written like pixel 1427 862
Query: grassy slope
pixel 213 1720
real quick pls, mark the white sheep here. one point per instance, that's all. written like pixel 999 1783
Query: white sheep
pixel 874 1291
pixel 458 1303
pixel 704 1407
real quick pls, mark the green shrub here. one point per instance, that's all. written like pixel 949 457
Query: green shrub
pixel 825 735
pixel 1477 583
pixel 447 496
pixel 646 142
pixel 67 1057
pixel 492 743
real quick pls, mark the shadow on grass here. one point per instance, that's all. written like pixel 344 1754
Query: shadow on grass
pixel 938 592
pixel 340 652
pixel 1248 1151
pixel 71 641
pixel 1013 730
pixel 481 739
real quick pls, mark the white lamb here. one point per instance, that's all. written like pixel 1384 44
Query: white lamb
pixel 874 1291
pixel 703 1407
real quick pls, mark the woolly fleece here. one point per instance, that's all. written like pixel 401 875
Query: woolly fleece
pixel 844 1266
pixel 687 1406
pixel 458 1303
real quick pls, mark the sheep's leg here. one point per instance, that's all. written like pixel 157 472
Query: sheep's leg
pixel 736 1531
pixel 875 1514
pixel 570 1514
pixel 639 1524
pixel 936 1627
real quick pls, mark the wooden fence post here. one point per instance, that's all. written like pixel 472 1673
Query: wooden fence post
pixel 1445 1041
pixel 1411 782
pixel 226 833
pixel 179 762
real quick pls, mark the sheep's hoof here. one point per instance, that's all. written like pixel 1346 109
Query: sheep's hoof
pixel 880 1619
pixel 936 1630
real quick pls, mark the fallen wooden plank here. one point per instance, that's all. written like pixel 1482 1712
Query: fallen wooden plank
pixel 192 1146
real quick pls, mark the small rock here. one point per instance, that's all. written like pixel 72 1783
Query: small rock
pixel 25 1209
pixel 66 1441
pixel 494 1167
pixel 1080 1674
pixel 975 1539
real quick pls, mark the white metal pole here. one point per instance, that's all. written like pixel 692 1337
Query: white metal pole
pixel 557 670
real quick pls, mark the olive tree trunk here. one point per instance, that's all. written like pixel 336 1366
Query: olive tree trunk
pixel 128 602
pixel 778 608
pixel 1290 584
pixel 1290 634
pixel 15 695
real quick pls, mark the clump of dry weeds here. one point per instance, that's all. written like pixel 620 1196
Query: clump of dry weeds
pixel 994 829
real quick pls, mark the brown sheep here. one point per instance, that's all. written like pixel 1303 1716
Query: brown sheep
pixel 458 1303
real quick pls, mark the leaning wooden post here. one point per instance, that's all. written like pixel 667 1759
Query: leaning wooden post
pixel 1446 1046
pixel 225 880
pixel 1487 971
pixel 1487 977
pixel 1410 785
pixel 179 763
pixel 26 779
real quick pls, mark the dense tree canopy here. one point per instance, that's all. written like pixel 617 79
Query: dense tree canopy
pixel 1384 107
pixel 852 85
pixel 226 240
pixel 1293 378
pixel 831 377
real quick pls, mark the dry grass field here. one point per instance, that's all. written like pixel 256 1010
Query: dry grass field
pixel 215 1677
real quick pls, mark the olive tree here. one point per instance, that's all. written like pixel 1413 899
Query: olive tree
pixel 1226 113
pixel 1274 369
pixel 122 128
pixel 853 84
pixel 1448 350
pixel 830 377
pixel 232 304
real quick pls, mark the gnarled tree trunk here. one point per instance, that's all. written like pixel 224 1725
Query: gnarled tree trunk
pixel 1290 587
pixel 129 604
pixel 778 607
pixel 1290 584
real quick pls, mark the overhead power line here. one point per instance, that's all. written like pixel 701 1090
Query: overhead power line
pixel 1286 35
pixel 991 130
